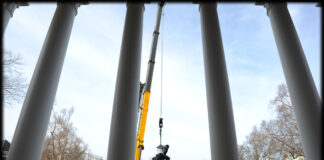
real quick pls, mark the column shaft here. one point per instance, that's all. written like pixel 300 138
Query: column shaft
pixel 7 12
pixel 30 132
pixel 220 113
pixel 122 138
pixel 8 8
pixel 301 87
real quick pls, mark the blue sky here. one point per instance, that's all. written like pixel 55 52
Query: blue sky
pixel 89 73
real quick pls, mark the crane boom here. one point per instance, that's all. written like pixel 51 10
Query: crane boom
pixel 147 87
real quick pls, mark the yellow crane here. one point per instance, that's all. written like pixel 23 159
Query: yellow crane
pixel 146 87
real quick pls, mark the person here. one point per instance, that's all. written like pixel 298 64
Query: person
pixel 162 151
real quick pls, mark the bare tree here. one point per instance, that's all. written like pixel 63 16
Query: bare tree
pixel 244 151
pixel 284 128
pixel 257 145
pixel 91 156
pixel 62 143
pixel 13 81
pixel 277 138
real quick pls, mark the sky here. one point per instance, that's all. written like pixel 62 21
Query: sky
pixel 89 73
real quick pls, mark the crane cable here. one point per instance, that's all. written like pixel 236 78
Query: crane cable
pixel 161 98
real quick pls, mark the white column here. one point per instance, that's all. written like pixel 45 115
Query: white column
pixel 301 87
pixel 122 138
pixel 220 113
pixel 27 143
pixel 8 8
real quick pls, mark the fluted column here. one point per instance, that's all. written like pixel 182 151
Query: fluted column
pixel 223 143
pixel 122 138
pixel 302 90
pixel 30 132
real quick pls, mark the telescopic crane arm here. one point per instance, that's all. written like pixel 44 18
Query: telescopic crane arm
pixel 145 96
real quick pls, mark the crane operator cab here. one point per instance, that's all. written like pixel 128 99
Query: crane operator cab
pixel 161 153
